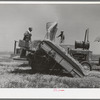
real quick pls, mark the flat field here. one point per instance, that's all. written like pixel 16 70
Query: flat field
pixel 17 74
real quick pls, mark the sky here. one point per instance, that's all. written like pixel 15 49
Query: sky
pixel 74 19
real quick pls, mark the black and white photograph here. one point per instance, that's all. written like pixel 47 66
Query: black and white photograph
pixel 49 45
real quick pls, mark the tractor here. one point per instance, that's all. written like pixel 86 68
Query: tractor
pixel 81 52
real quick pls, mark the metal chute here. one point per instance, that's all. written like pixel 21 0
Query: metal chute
pixel 51 28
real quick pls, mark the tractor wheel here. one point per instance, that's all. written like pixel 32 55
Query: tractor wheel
pixel 86 65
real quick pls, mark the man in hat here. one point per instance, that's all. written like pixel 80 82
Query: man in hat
pixel 27 39
pixel 62 37
pixel 27 35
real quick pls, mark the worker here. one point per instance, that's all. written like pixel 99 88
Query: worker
pixel 27 39
pixel 62 37
pixel 27 35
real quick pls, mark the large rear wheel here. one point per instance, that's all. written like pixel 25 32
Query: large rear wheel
pixel 86 65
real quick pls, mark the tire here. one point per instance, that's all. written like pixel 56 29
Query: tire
pixel 86 65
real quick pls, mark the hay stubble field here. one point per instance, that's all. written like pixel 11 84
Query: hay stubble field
pixel 17 74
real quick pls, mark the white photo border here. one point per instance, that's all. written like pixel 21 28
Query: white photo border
pixel 44 93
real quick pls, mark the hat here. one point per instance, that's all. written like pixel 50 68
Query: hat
pixel 30 28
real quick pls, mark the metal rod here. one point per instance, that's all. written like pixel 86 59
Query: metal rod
pixel 15 46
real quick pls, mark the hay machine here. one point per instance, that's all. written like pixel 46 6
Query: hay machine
pixel 46 56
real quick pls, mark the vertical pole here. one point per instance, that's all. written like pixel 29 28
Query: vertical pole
pixel 15 47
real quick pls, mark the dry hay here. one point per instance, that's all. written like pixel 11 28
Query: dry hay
pixel 14 74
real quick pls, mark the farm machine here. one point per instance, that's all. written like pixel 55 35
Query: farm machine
pixel 50 58
pixel 82 53
pixel 45 56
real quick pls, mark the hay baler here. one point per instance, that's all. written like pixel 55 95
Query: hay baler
pixel 49 57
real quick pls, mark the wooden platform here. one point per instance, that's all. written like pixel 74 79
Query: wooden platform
pixel 18 58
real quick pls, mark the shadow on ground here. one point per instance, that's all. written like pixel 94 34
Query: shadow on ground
pixel 30 71
pixel 23 71
pixel 23 65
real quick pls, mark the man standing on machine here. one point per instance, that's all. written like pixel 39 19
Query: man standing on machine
pixel 27 35
pixel 62 37
pixel 27 39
